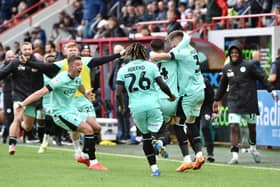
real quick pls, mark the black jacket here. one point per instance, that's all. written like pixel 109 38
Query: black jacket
pixel 26 80
pixel 240 80
pixel 7 87
pixel 276 84
pixel 206 107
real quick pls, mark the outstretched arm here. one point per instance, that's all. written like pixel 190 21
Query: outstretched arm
pixel 49 69
pixel 97 61
pixel 35 96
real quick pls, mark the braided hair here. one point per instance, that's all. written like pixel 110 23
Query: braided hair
pixel 136 51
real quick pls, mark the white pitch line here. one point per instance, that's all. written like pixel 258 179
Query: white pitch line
pixel 143 157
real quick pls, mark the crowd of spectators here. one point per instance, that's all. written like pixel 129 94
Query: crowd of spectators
pixel 95 19
pixel 14 11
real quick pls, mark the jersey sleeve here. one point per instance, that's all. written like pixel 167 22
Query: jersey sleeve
pixel 59 64
pixel 55 82
pixel 178 54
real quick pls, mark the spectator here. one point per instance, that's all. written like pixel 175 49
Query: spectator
pixel 2 53
pixel 172 22
pixel 256 59
pixel 161 11
pixel 78 13
pixel 130 17
pixel 112 28
pixel 16 48
pixel 91 10
pixel 50 50
pixel 145 31
pixel 27 37
pixel 123 118
pixel 274 77
pixel 7 96
pixel 85 51
pixel 216 8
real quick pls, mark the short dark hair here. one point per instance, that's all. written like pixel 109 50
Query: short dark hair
pixel 73 58
pixel 157 44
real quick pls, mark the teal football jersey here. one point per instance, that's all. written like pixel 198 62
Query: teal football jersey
pixel 190 79
pixel 168 72
pixel 63 90
pixel 138 77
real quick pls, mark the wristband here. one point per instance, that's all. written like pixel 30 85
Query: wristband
pixel 274 93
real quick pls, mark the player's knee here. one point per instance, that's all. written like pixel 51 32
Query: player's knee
pixel 27 127
pixel 97 128
pixel 190 119
pixel 85 128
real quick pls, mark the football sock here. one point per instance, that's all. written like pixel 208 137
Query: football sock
pixel 182 138
pixel 193 133
pixel 149 149
pixel 89 146
pixel 12 140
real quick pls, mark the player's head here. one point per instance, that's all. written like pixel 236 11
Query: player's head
pixel 235 52
pixel 157 45
pixel 175 37
pixel 26 49
pixel 75 65
pixel 85 51
pixel 9 56
pixel 71 49
pixel 136 51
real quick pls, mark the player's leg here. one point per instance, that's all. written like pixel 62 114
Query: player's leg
pixel 9 115
pixel 234 121
pixel 191 105
pixel 205 123
pixel 179 129
pixel 147 123
pixel 90 140
pixel 251 120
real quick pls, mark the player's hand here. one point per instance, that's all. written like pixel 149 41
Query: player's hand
pixel 172 98
pixel 19 108
pixel 122 53
pixel 153 56
pixel 89 94
pixel 275 95
pixel 214 115
pixel 216 106
pixel 22 59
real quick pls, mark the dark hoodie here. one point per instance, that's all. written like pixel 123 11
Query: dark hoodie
pixel 239 79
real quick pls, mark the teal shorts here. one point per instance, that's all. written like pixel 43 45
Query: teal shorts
pixel 242 118
pixel 148 121
pixel 28 110
pixel 84 106
pixel 69 120
pixel 40 114
pixel 168 108
pixel 191 104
